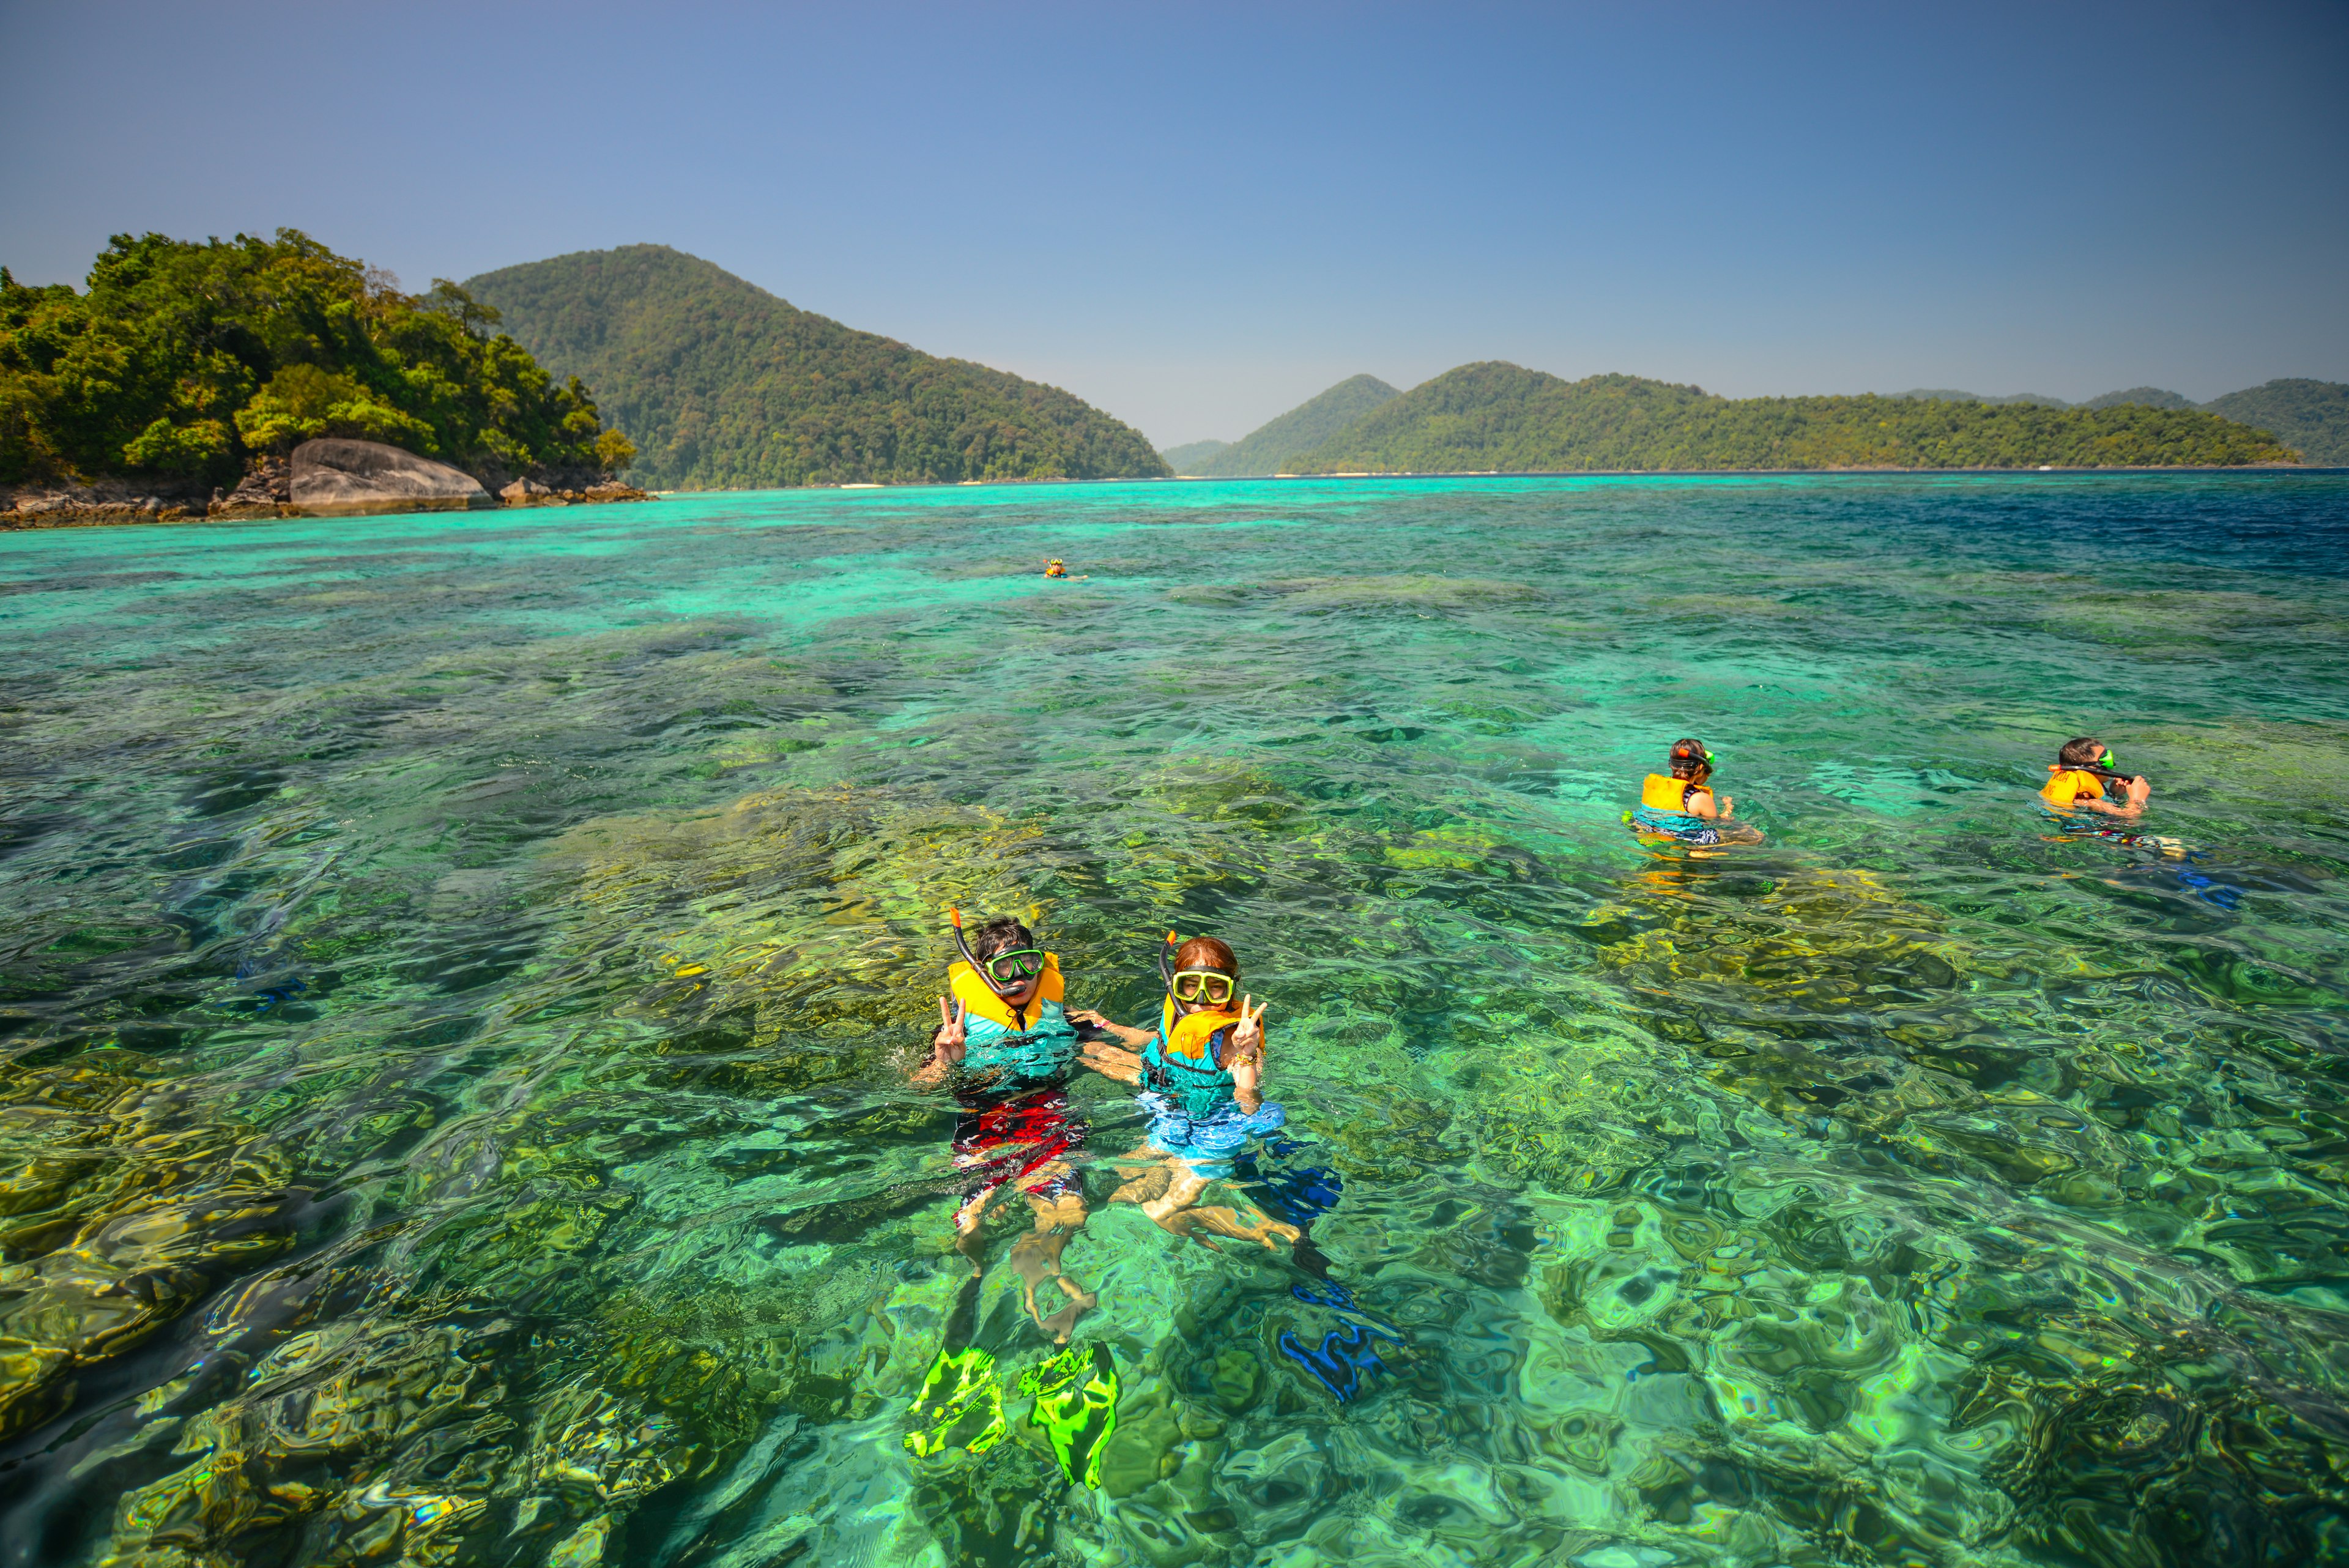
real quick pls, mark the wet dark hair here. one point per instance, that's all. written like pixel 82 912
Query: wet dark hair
pixel 1688 755
pixel 1207 952
pixel 2081 752
pixel 1003 934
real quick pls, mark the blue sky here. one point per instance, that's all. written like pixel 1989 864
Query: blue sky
pixel 1196 216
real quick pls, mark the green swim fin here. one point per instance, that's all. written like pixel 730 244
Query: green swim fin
pixel 961 1387
pixel 1076 1405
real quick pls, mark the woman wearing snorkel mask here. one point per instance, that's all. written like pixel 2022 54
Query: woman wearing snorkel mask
pixel 1201 1078
pixel 1006 1044
pixel 1682 805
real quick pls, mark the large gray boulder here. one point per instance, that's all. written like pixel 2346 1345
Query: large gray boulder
pixel 335 478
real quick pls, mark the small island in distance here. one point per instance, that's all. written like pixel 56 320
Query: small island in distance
pixel 1497 417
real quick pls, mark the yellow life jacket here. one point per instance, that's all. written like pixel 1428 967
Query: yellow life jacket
pixel 980 1001
pixel 2066 785
pixel 1665 793
pixel 1188 1036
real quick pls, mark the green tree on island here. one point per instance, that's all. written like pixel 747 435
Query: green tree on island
pixel 1496 416
pixel 185 361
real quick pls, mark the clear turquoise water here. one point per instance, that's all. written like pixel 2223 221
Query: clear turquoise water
pixel 457 976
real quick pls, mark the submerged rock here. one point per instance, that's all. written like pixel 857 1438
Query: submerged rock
pixel 336 478
pixel 121 1207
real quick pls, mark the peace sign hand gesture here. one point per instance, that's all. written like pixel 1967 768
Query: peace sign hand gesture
pixel 1248 1035
pixel 946 1045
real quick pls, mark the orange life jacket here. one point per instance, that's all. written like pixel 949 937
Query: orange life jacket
pixel 1665 793
pixel 1192 1033
pixel 2066 785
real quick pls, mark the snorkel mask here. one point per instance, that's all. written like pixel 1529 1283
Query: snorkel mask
pixel 1193 989
pixel 1006 973
pixel 1701 758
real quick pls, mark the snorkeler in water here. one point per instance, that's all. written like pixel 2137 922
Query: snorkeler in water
pixel 1007 1046
pixel 1201 1076
pixel 2085 776
pixel 1682 806
pixel 1056 567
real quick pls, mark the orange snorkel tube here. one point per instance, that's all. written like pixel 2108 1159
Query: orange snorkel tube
pixel 976 968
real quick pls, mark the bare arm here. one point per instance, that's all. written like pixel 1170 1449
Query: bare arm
pixel 1135 1038
pixel 2140 790
pixel 1247 1065
pixel 1111 1062
pixel 1705 803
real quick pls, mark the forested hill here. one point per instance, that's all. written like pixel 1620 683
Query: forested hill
pixel 2313 416
pixel 1186 458
pixel 1302 429
pixel 2310 417
pixel 1499 416
pixel 2151 397
pixel 724 386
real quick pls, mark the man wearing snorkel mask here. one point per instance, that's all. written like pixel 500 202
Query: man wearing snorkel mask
pixel 2086 777
pixel 1007 1045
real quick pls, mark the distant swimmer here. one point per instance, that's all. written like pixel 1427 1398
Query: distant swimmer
pixel 2085 777
pixel 1056 567
pixel 1681 804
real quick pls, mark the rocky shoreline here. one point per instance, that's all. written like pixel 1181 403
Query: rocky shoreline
pixel 531 493
pixel 113 505
pixel 267 491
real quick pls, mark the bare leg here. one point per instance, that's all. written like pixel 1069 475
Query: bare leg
pixel 1230 1222
pixel 1036 1257
pixel 1173 1211
pixel 1182 1190
pixel 1144 1184
pixel 970 1222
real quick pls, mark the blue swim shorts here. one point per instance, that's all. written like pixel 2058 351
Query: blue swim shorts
pixel 1206 1144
